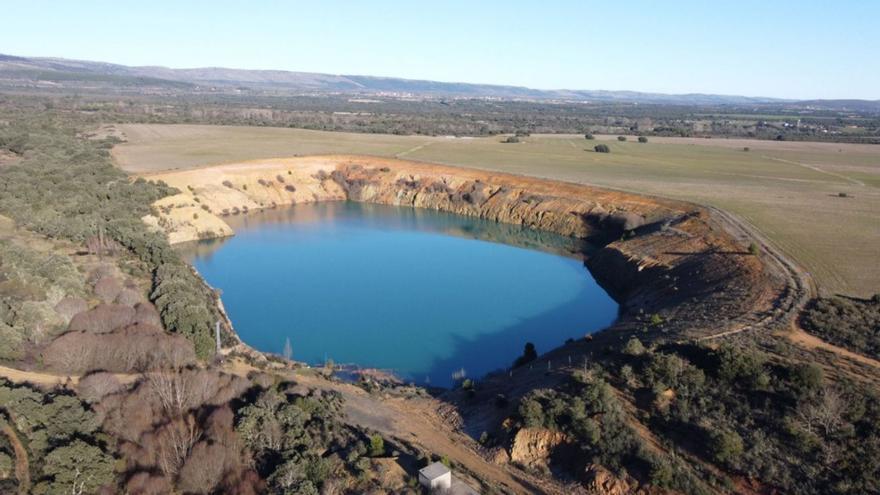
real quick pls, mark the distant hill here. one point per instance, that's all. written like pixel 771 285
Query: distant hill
pixel 59 72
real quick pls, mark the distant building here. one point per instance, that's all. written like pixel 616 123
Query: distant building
pixel 436 477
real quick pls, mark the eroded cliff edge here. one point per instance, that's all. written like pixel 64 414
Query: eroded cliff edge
pixel 679 261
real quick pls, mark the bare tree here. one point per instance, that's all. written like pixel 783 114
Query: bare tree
pixel 826 413
pixel 176 440
pixel 171 388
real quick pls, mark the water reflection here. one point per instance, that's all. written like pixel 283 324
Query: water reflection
pixel 399 218
pixel 418 292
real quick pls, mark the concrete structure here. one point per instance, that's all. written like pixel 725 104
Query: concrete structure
pixel 436 477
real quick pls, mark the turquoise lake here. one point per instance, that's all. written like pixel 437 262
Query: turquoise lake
pixel 417 292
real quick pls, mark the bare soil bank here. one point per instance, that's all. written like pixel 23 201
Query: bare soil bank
pixel 679 271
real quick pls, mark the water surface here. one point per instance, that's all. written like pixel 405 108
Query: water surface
pixel 417 292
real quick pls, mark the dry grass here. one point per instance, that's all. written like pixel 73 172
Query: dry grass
pixel 787 190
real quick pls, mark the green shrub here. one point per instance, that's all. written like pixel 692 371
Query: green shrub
pixel 377 446
pixel 634 347
pixel 621 138
pixel 643 139
pixel 726 447
pixel 601 148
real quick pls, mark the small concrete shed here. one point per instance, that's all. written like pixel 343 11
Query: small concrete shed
pixel 435 476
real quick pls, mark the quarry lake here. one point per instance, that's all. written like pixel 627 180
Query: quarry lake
pixel 417 292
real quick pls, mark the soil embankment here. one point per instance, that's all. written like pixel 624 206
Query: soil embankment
pixel 678 270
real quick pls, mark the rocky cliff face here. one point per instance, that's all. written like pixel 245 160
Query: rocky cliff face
pixel 533 446
pixel 657 256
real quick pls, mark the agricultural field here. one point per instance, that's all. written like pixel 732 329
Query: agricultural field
pixel 818 202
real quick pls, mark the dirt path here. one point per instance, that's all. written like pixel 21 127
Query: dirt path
pixel 40 378
pixel 802 338
pixel 417 421
pixel 817 169
pixel 412 150
pixel 22 466
pixel 800 287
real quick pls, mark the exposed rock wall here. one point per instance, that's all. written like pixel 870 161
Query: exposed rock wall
pixel 657 256
pixel 533 446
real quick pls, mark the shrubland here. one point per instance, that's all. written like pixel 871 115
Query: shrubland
pixel 65 187
pixel 853 324
pixel 721 413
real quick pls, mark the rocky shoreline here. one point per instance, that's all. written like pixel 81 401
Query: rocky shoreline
pixel 674 267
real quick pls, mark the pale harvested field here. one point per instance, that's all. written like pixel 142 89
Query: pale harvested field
pixel 789 191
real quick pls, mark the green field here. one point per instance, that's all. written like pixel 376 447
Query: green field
pixel 788 190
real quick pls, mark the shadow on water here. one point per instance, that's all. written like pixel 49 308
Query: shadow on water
pixel 582 310
pixel 511 340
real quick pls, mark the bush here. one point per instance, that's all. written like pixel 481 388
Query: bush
pixel 634 347
pixel 726 447
pixel 377 446
pixel 96 386
pixel 107 288
pixel 621 138
pixel 850 323
pixel 102 318
pixel 643 139
pixel 128 297
pixel 589 137
pixel 754 249
pixel 511 139
pixel 601 148
pixel 532 413
pixel 68 307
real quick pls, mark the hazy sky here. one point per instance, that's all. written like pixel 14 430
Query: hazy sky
pixel 793 49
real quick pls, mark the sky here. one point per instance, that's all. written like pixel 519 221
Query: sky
pixel 790 49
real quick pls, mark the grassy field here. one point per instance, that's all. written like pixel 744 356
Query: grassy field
pixel 788 190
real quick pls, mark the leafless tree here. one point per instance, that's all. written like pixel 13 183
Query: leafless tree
pixel 175 441
pixel 204 467
pixel 171 389
pixel 825 414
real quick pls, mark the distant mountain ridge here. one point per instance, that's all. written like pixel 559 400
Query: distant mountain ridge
pixel 19 70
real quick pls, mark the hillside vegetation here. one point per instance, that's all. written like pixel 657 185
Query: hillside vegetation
pixel 65 187
pixel 750 413
pixel 850 323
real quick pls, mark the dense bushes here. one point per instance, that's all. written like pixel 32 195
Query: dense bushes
pixel 61 438
pixel 850 323
pixel 777 422
pixel 587 410
pixel 66 187
pixel 733 406
pixel 32 285
pixel 135 348
pixel 290 435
